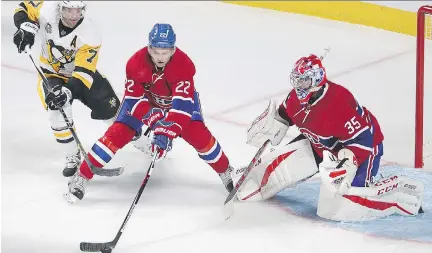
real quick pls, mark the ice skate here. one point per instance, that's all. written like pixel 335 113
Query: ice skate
pixel 72 164
pixel 227 179
pixel 76 186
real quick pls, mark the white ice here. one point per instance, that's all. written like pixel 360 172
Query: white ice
pixel 243 56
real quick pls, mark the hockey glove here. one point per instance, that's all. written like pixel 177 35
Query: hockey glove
pixel 25 35
pixel 153 116
pixel 163 135
pixel 58 97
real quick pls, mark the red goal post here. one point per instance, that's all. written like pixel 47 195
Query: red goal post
pixel 424 32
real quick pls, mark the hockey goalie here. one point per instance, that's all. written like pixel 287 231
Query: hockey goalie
pixel 339 140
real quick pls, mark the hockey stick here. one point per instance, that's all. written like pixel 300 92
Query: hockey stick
pixel 107 247
pixel 228 205
pixel 98 171
pixel 326 51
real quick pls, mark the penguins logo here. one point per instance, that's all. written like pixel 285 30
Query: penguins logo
pixel 59 56
pixel 112 102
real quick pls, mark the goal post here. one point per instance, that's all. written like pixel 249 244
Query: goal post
pixel 424 33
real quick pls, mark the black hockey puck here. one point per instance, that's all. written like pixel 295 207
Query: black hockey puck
pixel 420 210
pixel 106 250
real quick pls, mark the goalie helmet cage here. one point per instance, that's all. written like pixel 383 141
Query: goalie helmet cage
pixel 424 32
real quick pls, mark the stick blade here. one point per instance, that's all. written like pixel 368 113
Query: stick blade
pixel 96 247
pixel 228 209
pixel 107 172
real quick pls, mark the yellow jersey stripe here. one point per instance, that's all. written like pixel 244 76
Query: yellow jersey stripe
pixel 82 79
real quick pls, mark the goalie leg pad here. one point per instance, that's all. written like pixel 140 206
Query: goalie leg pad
pixel 392 195
pixel 278 170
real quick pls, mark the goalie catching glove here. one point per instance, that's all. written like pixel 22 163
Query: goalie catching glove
pixel 268 126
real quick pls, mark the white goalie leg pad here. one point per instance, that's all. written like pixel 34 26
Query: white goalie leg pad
pixel 392 195
pixel 278 170
pixel 267 127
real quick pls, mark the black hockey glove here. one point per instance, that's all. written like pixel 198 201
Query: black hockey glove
pixel 25 35
pixel 58 97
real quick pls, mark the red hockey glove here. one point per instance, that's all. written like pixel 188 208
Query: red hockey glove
pixel 153 116
pixel 164 133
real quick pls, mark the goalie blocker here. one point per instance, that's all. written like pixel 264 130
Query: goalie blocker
pixel 338 199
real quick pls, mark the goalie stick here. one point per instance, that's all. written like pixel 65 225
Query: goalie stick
pixel 107 247
pixel 98 171
pixel 229 202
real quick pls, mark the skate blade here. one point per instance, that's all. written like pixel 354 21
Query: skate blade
pixel 70 198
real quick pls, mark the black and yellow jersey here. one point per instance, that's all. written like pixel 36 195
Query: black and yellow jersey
pixel 69 53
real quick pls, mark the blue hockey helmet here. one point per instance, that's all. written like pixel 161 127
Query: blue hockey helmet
pixel 162 36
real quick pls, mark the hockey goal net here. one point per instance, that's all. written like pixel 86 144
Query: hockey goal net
pixel 423 128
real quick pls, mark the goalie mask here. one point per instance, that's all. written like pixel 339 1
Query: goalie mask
pixel 307 77
pixel 71 12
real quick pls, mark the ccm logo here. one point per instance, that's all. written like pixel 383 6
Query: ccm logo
pixel 387 189
pixel 386 181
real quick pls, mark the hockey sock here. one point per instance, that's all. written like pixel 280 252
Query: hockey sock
pixel 115 138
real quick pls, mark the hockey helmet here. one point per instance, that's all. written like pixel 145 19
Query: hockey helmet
pixel 162 36
pixel 307 77
pixel 162 39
